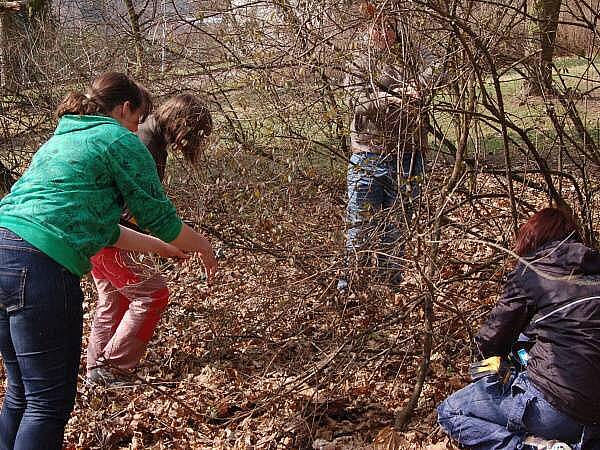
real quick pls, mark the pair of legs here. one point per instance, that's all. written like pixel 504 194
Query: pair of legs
pixel 131 299
pixel 40 340
pixel 381 190
pixel 489 415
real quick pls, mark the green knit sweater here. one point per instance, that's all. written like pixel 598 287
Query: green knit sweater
pixel 68 202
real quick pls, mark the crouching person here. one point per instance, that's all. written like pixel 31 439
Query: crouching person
pixel 553 297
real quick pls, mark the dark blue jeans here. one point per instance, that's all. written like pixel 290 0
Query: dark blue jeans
pixel 489 415
pixel 41 321
pixel 381 191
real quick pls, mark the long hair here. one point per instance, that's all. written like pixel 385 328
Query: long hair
pixel 185 121
pixel 546 225
pixel 107 91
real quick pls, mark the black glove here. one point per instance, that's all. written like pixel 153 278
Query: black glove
pixel 494 365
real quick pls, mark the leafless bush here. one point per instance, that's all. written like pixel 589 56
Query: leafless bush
pixel 272 190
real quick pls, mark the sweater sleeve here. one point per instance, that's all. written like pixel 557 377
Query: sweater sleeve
pixel 136 177
pixel 363 93
pixel 507 319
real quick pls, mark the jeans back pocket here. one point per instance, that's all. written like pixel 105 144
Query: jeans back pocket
pixel 12 289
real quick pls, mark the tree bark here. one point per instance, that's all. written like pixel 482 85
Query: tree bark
pixel 542 34
pixel 134 20
pixel 11 37
pixel 6 179
pixel 21 24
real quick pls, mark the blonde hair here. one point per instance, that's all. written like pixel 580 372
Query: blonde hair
pixel 185 121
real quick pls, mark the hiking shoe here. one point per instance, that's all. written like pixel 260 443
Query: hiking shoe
pixel 396 279
pixel 391 278
pixel 537 443
pixel 103 377
pixel 100 376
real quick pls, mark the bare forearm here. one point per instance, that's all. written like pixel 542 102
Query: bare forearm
pixel 382 99
pixel 191 241
pixel 132 240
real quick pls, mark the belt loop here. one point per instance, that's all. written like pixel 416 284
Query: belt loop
pixel 522 395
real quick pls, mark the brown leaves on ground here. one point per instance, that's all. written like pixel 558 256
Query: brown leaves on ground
pixel 271 357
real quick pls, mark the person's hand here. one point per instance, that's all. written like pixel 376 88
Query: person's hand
pixel 407 97
pixel 170 251
pixel 406 94
pixel 494 365
pixel 412 92
pixel 210 264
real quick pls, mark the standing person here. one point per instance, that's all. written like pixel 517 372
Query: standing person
pixel 388 138
pixel 63 210
pixel 553 297
pixel 132 296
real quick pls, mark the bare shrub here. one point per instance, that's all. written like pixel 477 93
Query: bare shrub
pixel 273 343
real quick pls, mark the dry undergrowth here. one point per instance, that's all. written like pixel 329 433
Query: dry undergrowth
pixel 271 357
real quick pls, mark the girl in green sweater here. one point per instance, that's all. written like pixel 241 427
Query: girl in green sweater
pixel 63 210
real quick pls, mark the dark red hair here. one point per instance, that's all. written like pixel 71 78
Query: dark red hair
pixel 546 225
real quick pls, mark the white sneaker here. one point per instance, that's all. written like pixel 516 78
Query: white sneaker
pixel 559 446
pixel 342 285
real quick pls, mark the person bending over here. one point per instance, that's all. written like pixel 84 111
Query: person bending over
pixel 132 295
pixel 62 211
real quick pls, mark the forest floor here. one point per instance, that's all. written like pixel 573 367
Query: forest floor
pixel 271 357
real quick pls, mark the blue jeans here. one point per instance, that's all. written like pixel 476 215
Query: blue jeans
pixel 381 190
pixel 41 320
pixel 488 415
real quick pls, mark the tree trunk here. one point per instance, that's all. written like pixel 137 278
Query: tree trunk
pixel 542 33
pixel 11 40
pixel 134 20
pixel 22 24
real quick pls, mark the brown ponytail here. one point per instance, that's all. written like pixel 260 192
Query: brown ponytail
pixel 107 91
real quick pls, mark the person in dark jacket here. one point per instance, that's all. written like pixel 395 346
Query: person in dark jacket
pixel 553 297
